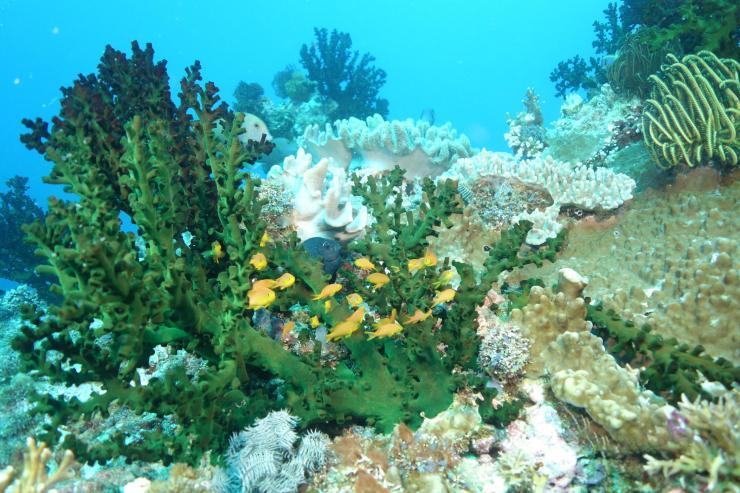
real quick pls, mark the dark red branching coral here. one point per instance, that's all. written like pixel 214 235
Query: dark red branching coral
pixel 350 80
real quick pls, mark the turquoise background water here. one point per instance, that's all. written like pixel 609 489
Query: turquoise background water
pixel 469 60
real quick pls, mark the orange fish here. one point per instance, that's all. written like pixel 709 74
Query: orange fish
pixel 418 316
pixel 378 279
pixel 386 330
pixel 329 290
pixel 444 296
pixel 287 328
pixel 260 298
pixel 285 281
pixel 429 259
pixel 258 261
pixel 262 284
pixel 364 264
pixel 348 326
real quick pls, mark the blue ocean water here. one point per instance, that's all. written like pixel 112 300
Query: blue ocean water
pixel 471 61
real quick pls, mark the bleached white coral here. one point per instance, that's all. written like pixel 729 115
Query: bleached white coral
pixel 567 184
pixel 376 144
pixel 323 204
pixel 263 457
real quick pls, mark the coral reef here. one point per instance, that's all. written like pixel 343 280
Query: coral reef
pixel 692 117
pixel 567 185
pixel 17 260
pixel 200 275
pixel 416 146
pixel 351 81
pixel 264 458
pixel 322 207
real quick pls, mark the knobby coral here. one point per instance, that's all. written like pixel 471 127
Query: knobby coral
pixel 34 477
pixel 694 113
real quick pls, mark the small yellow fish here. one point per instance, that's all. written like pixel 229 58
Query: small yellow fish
pixel 217 251
pixel 265 239
pixel 287 328
pixel 329 290
pixel 258 261
pixel 364 264
pixel 429 259
pixel 348 326
pixel 418 316
pixel 444 296
pixel 387 320
pixel 315 321
pixel 260 298
pixel 444 279
pixel 285 281
pixel 416 264
pixel 378 279
pixel 385 330
pixel 327 306
pixel 354 300
pixel 263 284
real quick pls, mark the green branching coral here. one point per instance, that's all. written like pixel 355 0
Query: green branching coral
pixel 671 369
pixel 693 116
pixel 183 279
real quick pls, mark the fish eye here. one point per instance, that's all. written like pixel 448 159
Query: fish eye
pixel 486 248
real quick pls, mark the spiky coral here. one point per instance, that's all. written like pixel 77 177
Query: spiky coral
pixel 694 114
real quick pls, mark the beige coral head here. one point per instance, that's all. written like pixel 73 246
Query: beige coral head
pixel 571 283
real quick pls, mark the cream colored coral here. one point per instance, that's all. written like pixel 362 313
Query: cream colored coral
pixel 418 147
pixel 35 478
pixel 322 207
pixel 546 316
pixel 584 375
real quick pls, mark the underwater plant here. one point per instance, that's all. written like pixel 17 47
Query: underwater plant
pixel 353 82
pixel 693 115
pixel 17 261
pixel 199 273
